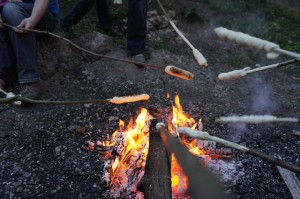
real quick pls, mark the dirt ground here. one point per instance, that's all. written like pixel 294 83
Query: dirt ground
pixel 41 151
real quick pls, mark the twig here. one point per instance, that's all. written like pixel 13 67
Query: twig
pixel 206 136
pixel 114 100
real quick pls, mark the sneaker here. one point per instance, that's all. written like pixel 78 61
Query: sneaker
pixel 139 58
pixel 31 90
pixel 2 83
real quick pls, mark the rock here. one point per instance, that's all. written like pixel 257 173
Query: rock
pixel 4 134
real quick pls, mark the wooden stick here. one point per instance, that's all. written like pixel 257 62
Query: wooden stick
pixel 198 56
pixel 114 100
pixel 291 181
pixel 96 54
pixel 202 184
pixel 243 72
pixel 256 119
pixel 204 135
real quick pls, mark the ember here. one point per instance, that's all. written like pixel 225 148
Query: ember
pixel 126 161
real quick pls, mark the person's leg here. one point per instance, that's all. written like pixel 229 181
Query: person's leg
pixel 137 26
pixel 104 16
pixel 77 12
pixel 7 59
pixel 24 45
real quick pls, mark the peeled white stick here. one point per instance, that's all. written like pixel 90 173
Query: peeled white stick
pixel 198 56
pixel 256 119
pixel 204 135
pixel 242 38
pixel 178 72
pixel 9 95
pixel 127 99
pixel 243 72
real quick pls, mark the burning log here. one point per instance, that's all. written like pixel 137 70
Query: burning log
pixel 243 72
pixel 256 119
pixel 241 38
pixel 198 56
pixel 210 149
pixel 156 182
pixel 201 182
pixel 204 135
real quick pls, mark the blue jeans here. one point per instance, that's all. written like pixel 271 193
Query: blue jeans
pixel 81 8
pixel 24 45
pixel 137 26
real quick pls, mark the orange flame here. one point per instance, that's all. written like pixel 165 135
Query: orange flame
pixel 136 132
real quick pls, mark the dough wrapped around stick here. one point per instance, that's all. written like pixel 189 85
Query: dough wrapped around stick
pixel 127 99
pixel 243 72
pixel 255 119
pixel 178 72
pixel 254 42
pixel 233 74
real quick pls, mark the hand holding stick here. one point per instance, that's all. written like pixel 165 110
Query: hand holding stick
pixel 241 38
pixel 179 72
pixel 243 72
pixel 204 135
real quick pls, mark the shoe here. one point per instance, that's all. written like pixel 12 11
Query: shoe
pixel 31 90
pixel 139 58
pixel 2 83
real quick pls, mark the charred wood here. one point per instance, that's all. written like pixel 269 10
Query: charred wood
pixel 156 182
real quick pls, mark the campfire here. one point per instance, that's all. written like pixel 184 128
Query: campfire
pixel 126 152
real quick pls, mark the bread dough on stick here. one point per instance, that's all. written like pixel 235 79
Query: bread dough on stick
pixel 199 57
pixel 233 74
pixel 178 72
pixel 254 42
pixel 255 119
pixel 127 99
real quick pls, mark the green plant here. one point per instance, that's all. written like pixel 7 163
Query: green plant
pixel 164 44
pixel 191 15
pixel 236 61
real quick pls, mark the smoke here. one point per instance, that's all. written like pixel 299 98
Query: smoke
pixel 263 101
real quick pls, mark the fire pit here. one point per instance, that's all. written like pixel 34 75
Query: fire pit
pixel 126 154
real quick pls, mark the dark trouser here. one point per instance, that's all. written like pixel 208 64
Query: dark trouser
pixel 137 26
pixel 80 9
pixel 7 58
pixel 24 45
